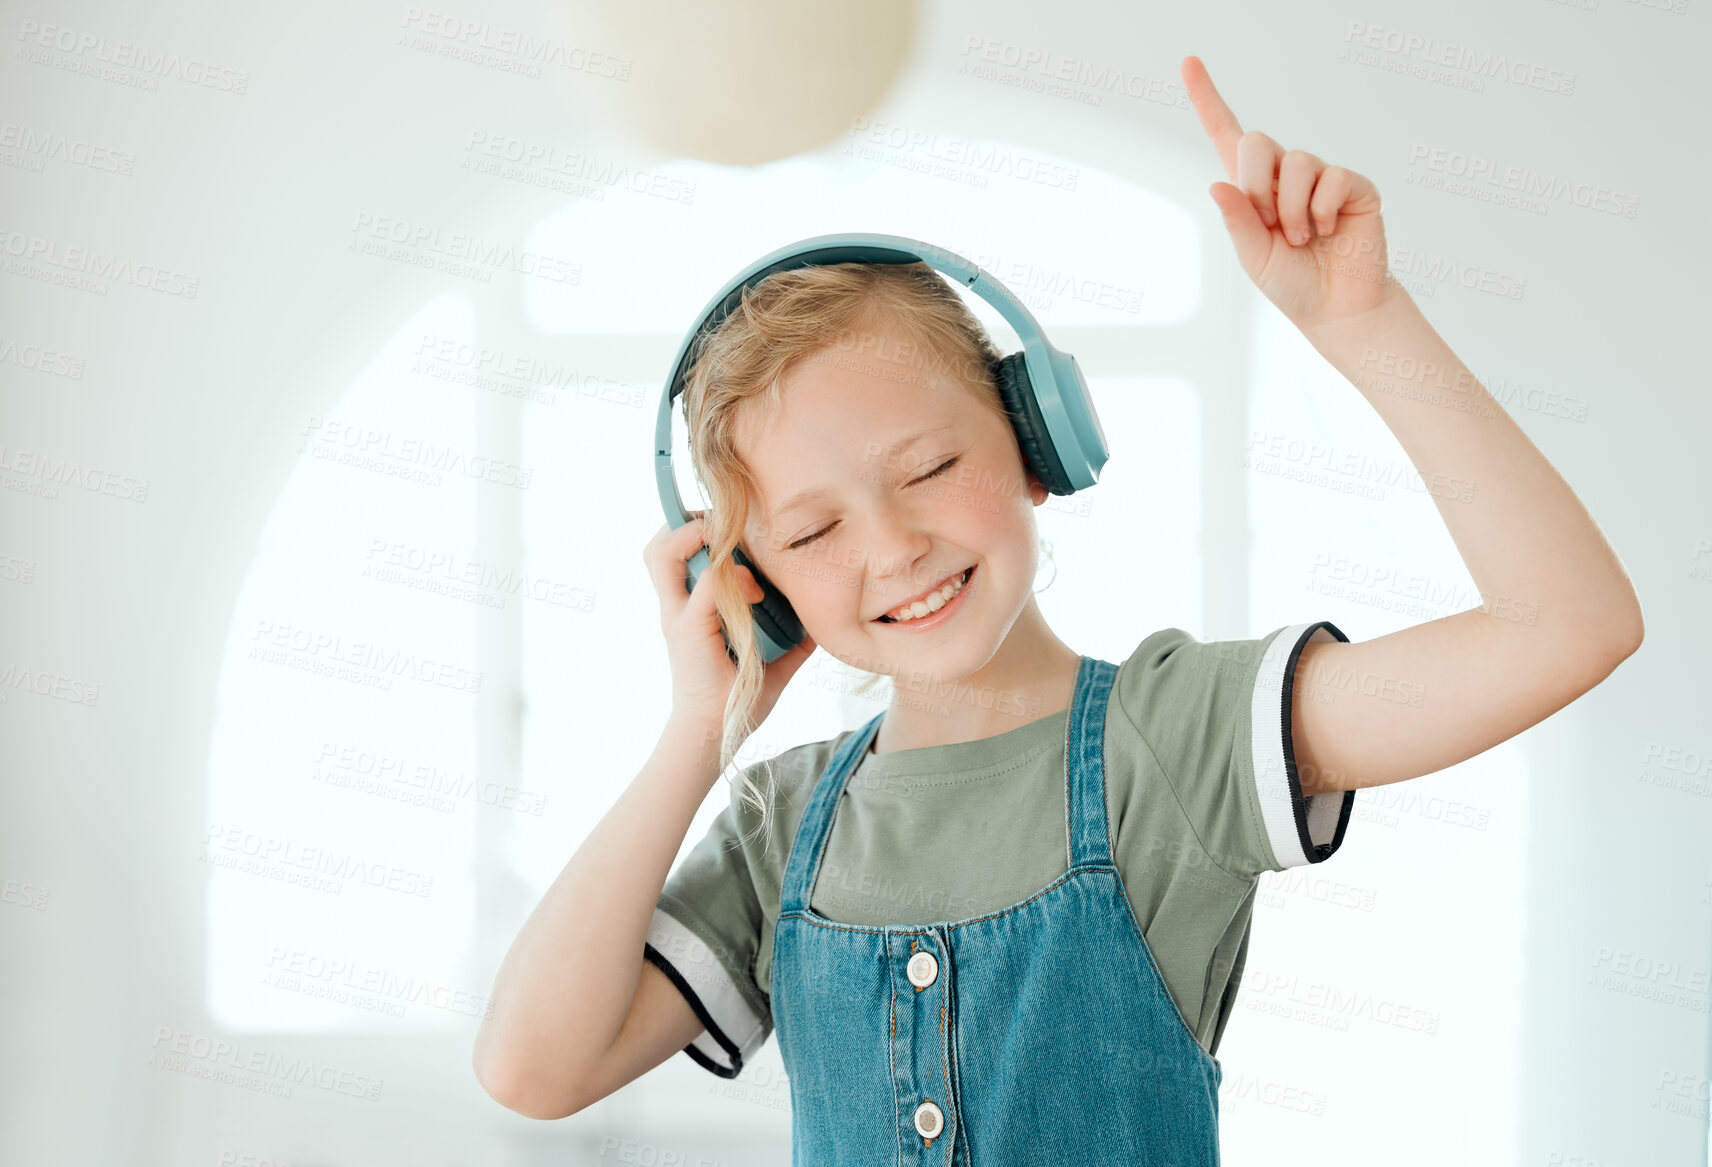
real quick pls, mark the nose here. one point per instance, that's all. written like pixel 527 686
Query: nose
pixel 896 543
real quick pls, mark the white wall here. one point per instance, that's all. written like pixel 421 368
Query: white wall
pixel 105 920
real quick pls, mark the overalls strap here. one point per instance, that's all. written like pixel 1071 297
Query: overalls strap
pixel 810 841
pixel 1088 841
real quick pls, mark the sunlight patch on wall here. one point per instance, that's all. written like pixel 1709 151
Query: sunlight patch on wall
pixel 1344 531
pixel 342 788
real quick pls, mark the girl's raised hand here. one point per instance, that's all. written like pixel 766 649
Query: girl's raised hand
pixel 1309 235
pixel 702 673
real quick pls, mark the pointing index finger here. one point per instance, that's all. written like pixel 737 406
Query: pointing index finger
pixel 1216 117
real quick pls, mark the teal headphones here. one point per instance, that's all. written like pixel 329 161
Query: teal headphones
pixel 1042 389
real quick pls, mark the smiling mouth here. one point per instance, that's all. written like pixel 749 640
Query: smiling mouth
pixel 966 576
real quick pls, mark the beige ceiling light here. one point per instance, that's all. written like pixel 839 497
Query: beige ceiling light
pixel 744 82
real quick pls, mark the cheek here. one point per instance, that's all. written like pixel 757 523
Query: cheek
pixel 997 485
pixel 816 583
pixel 995 507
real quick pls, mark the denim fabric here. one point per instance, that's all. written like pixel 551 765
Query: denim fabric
pixel 1047 1036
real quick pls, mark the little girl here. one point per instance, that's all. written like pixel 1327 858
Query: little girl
pixel 1004 921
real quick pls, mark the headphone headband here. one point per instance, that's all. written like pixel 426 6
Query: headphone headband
pixel 1051 372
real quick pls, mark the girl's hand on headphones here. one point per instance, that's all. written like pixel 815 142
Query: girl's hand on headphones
pixel 1309 235
pixel 702 672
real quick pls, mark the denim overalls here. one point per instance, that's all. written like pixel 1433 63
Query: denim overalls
pixel 1037 1034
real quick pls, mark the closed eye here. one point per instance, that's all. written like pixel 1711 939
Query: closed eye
pixel 943 467
pixel 807 539
pixel 935 473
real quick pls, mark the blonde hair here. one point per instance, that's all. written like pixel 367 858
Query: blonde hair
pixel 784 320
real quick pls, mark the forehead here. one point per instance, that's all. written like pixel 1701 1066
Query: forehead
pixel 838 413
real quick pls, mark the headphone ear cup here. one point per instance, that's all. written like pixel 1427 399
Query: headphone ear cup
pixel 1017 394
pixel 776 624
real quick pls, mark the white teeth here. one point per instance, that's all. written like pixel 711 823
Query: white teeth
pixel 932 603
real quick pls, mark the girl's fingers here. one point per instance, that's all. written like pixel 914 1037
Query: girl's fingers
pixel 1297 171
pixel 1336 189
pixel 1253 242
pixel 1215 116
pixel 1256 167
pixel 667 556
pixel 699 605
pixel 751 586
pixel 1330 192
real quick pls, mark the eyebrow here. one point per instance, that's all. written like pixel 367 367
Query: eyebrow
pixel 896 448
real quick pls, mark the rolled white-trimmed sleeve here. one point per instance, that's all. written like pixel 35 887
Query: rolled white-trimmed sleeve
pixel 1215 717
pixel 705 935
pixel 1299 830
pixel 734 1029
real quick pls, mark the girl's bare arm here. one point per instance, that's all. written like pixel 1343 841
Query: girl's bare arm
pixel 575 981
pixel 1557 611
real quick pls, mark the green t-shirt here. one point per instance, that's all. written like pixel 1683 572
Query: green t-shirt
pixel 1202 793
